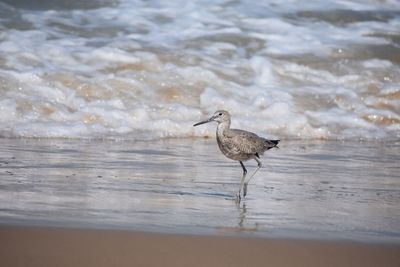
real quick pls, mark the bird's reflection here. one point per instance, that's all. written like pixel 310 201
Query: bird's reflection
pixel 242 215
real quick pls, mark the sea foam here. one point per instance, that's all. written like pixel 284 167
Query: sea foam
pixel 149 70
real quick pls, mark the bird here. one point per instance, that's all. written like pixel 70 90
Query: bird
pixel 239 145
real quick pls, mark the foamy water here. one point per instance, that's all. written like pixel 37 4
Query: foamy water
pixel 150 69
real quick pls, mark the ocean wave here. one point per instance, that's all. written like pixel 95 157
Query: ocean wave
pixel 149 70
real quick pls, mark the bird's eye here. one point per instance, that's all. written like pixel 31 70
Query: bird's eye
pixel 220 114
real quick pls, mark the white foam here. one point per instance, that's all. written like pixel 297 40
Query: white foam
pixel 377 64
pixel 147 70
pixel 113 55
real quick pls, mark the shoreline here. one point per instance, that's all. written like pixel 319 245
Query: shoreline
pixel 48 246
pixel 166 188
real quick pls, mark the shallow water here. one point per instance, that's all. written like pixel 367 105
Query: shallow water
pixel 130 69
pixel 311 190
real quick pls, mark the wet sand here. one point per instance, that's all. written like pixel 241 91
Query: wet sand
pixel 31 246
pixel 306 190
pixel 171 203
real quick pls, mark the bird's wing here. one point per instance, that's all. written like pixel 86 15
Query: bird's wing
pixel 246 142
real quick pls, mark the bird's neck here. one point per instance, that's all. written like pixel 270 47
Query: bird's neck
pixel 222 127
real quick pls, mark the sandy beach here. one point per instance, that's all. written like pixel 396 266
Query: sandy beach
pixel 30 246
pixel 306 190
pixel 101 203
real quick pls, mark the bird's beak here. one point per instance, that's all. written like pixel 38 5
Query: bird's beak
pixel 205 121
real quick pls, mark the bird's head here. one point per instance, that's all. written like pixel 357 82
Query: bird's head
pixel 219 116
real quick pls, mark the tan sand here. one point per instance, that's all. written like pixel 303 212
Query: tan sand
pixel 39 246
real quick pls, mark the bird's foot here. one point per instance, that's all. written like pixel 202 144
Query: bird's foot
pixel 239 197
pixel 244 190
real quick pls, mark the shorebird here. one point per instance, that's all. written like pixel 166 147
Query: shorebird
pixel 239 145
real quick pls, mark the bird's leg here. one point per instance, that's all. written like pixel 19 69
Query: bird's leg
pixel 241 182
pixel 259 165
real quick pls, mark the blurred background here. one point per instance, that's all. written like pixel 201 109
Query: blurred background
pixel 138 70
